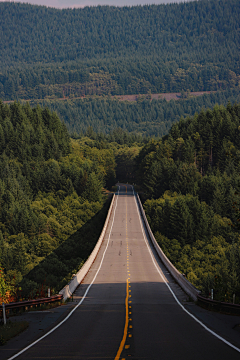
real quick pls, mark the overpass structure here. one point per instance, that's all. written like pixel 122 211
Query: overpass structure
pixel 129 305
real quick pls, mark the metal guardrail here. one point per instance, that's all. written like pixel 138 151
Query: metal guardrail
pixel 30 303
pixel 68 290
pixel 210 304
pixel 182 281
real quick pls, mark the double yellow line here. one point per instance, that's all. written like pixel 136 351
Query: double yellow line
pixel 126 325
pixel 127 319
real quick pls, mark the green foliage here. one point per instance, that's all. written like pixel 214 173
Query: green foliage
pixel 57 268
pixel 191 178
pixel 50 186
pixel 147 117
pixel 184 47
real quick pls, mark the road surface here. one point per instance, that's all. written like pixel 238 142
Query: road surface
pixel 129 312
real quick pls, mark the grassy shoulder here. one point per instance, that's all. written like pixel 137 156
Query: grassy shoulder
pixel 11 329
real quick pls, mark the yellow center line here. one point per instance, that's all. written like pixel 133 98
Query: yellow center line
pixel 127 319
pixel 125 327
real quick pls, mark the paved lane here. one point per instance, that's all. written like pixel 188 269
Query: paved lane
pixel 129 312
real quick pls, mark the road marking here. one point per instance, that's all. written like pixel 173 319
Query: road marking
pixel 125 332
pixel 125 327
pixel 80 302
pixel 173 294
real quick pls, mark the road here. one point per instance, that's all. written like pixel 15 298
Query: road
pixel 129 311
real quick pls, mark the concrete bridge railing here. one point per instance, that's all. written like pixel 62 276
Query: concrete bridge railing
pixel 69 289
pixel 180 278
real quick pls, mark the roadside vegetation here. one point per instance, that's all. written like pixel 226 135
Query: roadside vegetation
pixel 191 182
pixel 50 186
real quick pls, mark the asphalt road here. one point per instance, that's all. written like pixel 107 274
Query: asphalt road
pixel 129 311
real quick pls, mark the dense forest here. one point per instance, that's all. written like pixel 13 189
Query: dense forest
pixel 50 186
pixel 192 184
pixel 144 117
pixel 53 203
pixel 118 50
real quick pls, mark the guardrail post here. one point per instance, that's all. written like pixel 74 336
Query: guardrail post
pixel 233 298
pixel 4 314
pixel 212 294
pixel 49 292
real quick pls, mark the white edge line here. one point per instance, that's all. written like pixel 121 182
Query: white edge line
pixel 173 294
pixel 80 302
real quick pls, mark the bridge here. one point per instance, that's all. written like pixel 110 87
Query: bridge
pixel 129 306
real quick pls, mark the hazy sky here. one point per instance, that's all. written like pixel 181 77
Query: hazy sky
pixel 81 3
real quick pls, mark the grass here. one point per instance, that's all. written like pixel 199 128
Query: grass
pixel 11 329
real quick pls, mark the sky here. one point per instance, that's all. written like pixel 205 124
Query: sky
pixel 60 4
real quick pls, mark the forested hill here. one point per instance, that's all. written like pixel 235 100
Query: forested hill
pixel 144 116
pixel 50 186
pixel 35 33
pixel 191 178
pixel 32 134
pixel 111 50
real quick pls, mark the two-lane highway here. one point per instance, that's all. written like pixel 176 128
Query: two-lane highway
pixel 128 311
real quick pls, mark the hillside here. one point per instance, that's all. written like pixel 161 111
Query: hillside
pixel 108 50
pixel 191 181
pixel 145 117
pixel 50 186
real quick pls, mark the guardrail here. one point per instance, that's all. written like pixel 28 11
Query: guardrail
pixel 218 305
pixel 68 290
pixel 181 280
pixel 30 303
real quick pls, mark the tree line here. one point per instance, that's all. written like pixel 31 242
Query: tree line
pixel 118 50
pixel 50 186
pixel 142 117
pixel 191 182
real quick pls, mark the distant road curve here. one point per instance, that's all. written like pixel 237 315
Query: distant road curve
pixel 125 309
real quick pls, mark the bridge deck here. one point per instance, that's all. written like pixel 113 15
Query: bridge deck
pixel 130 279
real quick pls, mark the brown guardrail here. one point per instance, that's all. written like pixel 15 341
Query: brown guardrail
pixel 210 304
pixel 34 302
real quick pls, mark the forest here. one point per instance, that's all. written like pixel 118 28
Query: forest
pixel 50 186
pixel 66 139
pixel 191 184
pixel 106 50
pixel 52 203
pixel 145 117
